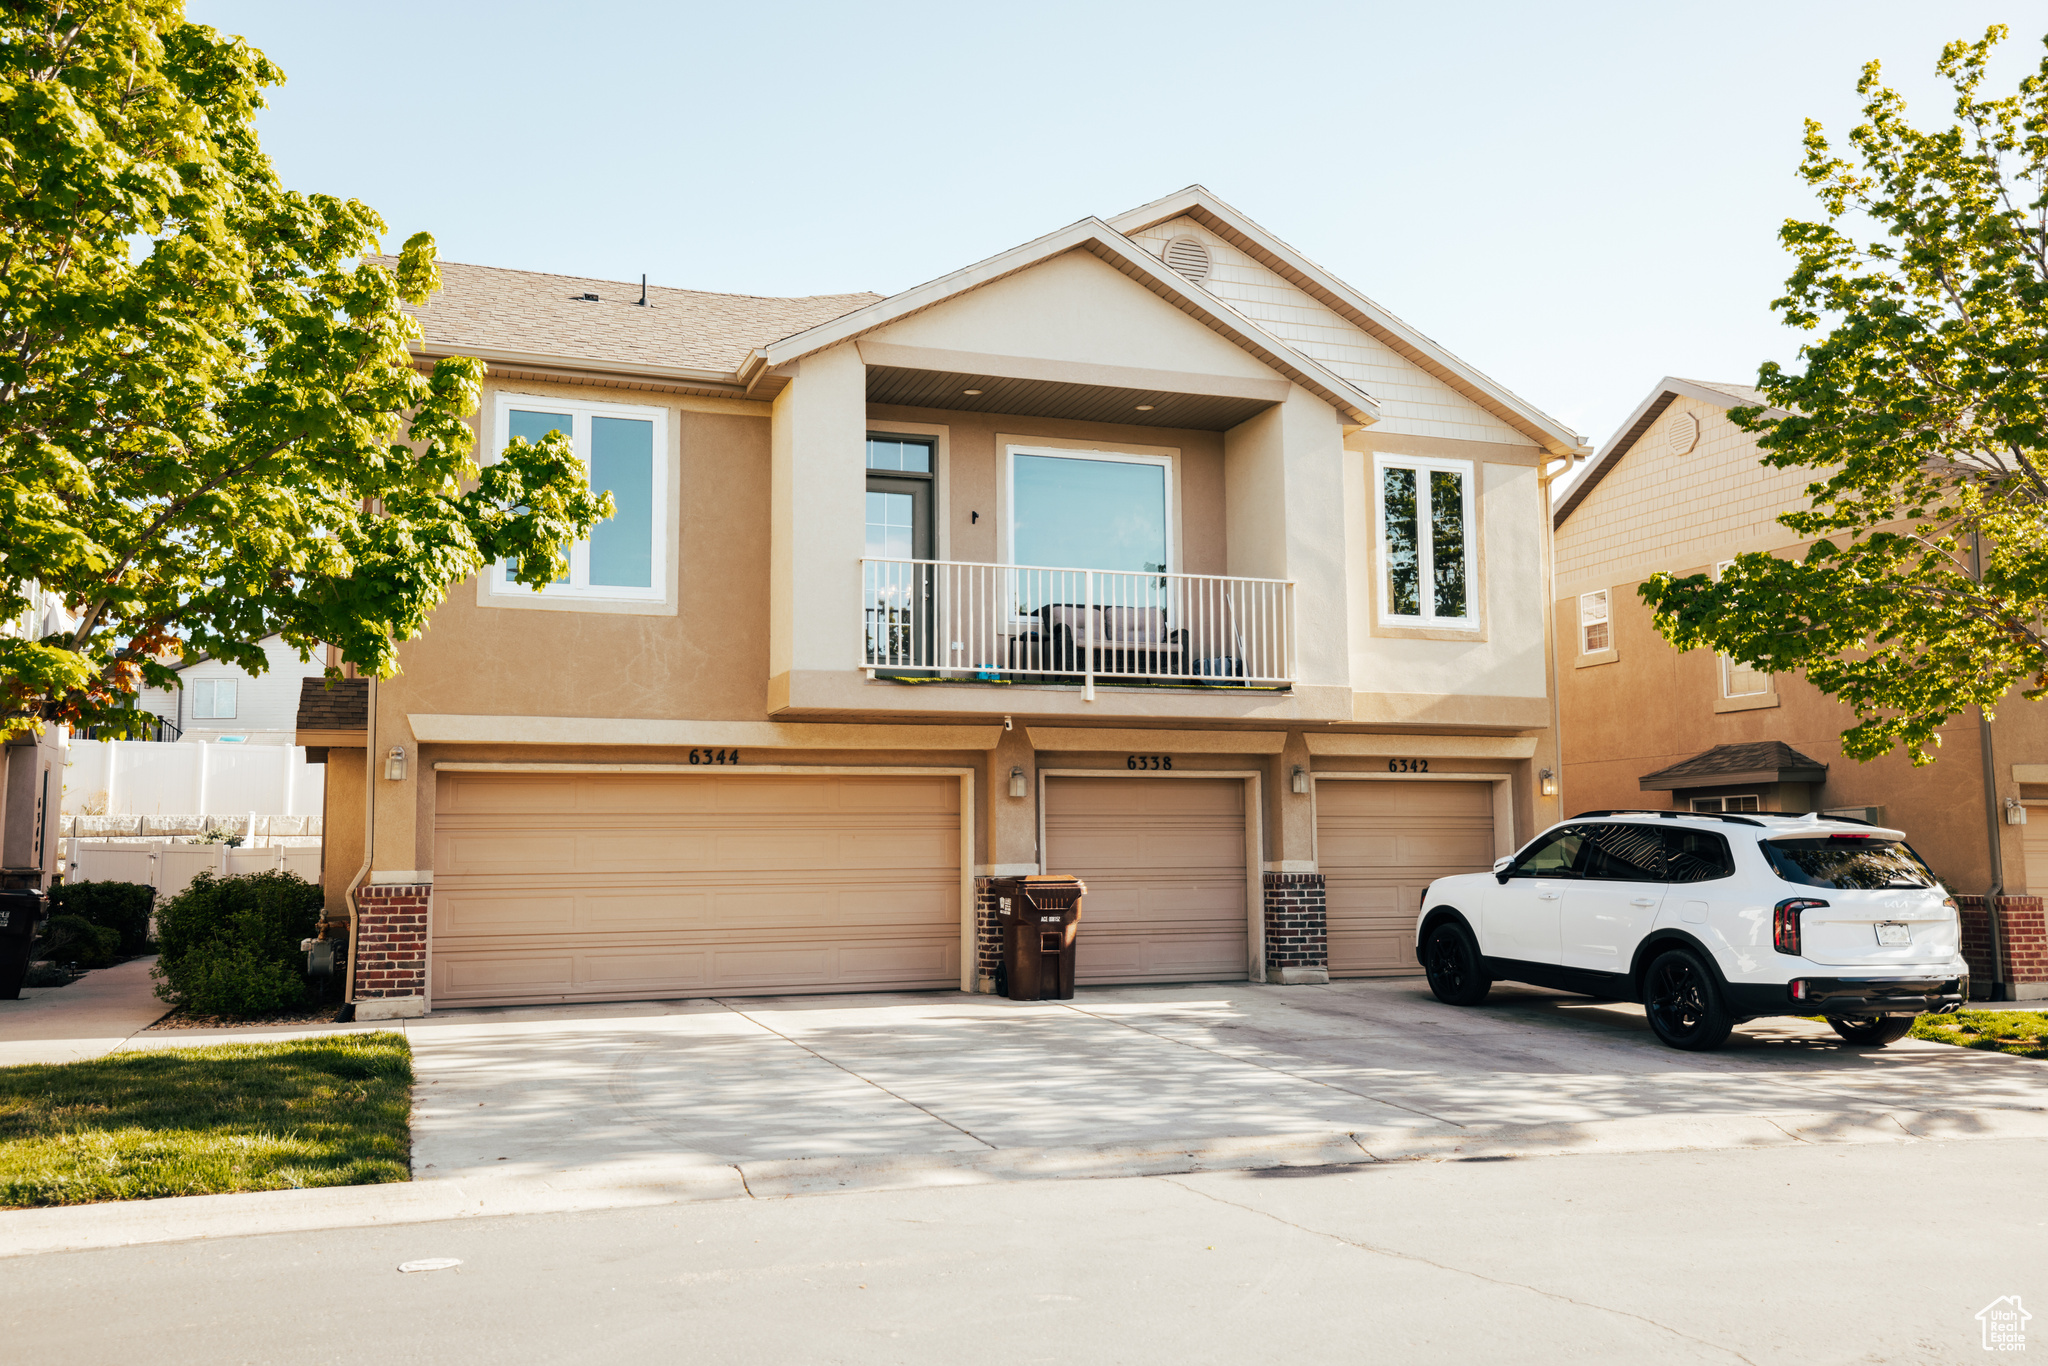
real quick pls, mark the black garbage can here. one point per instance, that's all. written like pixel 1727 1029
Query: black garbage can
pixel 1040 917
pixel 21 913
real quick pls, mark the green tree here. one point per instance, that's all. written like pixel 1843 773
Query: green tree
pixel 1922 410
pixel 211 430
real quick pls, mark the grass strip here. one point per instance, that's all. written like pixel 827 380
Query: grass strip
pixel 136 1125
pixel 2022 1033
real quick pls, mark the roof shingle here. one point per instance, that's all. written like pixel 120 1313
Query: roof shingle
pixel 1762 761
pixel 343 705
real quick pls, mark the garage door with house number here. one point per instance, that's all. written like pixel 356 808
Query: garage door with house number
pixel 1164 860
pixel 606 886
pixel 1379 844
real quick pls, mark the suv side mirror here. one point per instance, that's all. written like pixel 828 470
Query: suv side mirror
pixel 1500 868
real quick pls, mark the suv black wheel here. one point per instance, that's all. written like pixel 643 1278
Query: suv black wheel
pixel 1683 1004
pixel 1452 961
pixel 1873 1033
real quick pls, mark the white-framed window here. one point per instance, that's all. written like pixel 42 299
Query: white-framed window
pixel 1746 802
pixel 1595 634
pixel 213 699
pixel 1739 679
pixel 625 448
pixel 1428 546
pixel 1072 509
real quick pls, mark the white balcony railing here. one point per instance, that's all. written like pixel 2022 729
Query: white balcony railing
pixel 953 619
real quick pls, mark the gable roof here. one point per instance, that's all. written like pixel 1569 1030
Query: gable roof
pixel 1233 226
pixel 343 704
pixel 1719 393
pixel 1098 238
pixel 1763 761
pixel 522 317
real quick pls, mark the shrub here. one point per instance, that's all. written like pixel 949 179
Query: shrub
pixel 74 939
pixel 119 906
pixel 230 945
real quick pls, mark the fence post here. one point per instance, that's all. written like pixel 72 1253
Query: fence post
pixel 1088 635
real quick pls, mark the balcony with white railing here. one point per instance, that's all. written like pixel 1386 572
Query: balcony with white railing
pixel 951 619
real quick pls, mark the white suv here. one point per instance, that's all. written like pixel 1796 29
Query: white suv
pixel 1708 920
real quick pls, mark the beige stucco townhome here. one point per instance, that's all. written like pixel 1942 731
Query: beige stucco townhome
pixel 1146 551
pixel 1679 488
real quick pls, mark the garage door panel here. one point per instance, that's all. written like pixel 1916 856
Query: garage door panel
pixel 1379 844
pixel 612 886
pixel 1164 860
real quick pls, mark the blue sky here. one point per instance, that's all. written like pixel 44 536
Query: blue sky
pixel 1578 198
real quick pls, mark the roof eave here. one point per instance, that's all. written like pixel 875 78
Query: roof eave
pixel 1662 782
pixel 734 380
pixel 1631 431
pixel 1227 221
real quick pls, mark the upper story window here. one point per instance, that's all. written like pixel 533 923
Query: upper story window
pixel 1090 510
pixel 1595 634
pixel 1428 570
pixel 623 447
pixel 1739 679
pixel 213 699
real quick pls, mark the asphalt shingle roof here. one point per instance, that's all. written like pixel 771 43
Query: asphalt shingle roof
pixel 1762 761
pixel 344 705
pixel 523 310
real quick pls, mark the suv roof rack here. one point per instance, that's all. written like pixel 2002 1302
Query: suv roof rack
pixel 1729 816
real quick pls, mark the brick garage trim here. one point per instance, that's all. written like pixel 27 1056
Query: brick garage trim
pixel 1296 921
pixel 988 936
pixel 390 945
pixel 2023 940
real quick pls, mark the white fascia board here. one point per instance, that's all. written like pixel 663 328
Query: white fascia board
pixel 1554 435
pixel 1089 233
pixel 675 373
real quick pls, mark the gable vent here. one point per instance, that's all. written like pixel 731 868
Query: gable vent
pixel 1683 434
pixel 1188 258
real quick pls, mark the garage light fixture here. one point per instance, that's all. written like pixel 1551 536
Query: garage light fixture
pixel 1018 787
pixel 394 764
pixel 1300 780
pixel 1548 780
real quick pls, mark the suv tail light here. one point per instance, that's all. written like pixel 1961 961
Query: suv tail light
pixel 1785 923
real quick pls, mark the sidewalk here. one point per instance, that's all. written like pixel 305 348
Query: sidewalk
pixel 95 1014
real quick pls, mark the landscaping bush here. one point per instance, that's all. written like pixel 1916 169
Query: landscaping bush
pixel 119 906
pixel 230 945
pixel 74 939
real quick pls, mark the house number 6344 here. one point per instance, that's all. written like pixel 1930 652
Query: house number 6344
pixel 1407 765
pixel 714 756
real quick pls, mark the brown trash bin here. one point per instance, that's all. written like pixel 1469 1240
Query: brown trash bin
pixel 1039 916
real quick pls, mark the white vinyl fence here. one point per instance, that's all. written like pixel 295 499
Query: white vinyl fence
pixel 170 867
pixel 147 777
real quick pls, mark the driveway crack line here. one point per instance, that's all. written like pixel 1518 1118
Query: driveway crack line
pixel 1399 1255
pixel 1253 1062
pixel 870 1081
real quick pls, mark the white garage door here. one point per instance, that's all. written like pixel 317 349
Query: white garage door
pixel 600 886
pixel 1164 860
pixel 1379 844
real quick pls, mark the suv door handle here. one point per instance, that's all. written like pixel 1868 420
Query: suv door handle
pixel 1644 901
pixel 1546 896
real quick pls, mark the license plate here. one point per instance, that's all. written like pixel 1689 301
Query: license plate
pixel 1894 936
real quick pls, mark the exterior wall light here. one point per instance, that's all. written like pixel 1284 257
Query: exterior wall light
pixel 1300 780
pixel 394 764
pixel 1548 781
pixel 1018 787
pixel 2015 814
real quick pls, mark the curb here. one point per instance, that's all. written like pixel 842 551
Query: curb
pixel 77 1228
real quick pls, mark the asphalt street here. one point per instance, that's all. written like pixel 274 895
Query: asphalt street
pixel 1817 1254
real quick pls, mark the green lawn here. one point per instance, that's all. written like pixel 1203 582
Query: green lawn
pixel 2023 1033
pixel 332 1111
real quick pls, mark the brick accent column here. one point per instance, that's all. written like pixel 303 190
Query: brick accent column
pixel 988 936
pixel 391 940
pixel 2023 944
pixel 1297 929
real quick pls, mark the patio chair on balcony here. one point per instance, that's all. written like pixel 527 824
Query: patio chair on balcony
pixel 1133 641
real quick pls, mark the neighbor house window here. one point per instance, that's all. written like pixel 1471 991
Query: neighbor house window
pixel 213 699
pixel 1594 635
pixel 624 450
pixel 1743 803
pixel 1428 568
pixel 1739 679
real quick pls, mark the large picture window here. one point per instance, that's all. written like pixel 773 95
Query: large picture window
pixel 1090 510
pixel 1428 563
pixel 624 448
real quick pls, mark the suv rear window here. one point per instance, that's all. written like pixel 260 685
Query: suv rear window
pixel 1848 864
pixel 1696 856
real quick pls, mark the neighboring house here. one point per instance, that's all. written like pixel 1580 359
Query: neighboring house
pixel 223 702
pixel 1679 488
pixel 1146 551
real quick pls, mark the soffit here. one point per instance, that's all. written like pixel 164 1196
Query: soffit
pixel 1042 398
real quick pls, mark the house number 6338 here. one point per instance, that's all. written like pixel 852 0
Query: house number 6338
pixel 1407 765
pixel 1149 762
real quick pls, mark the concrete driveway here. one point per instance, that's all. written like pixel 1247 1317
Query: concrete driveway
pixel 535 1090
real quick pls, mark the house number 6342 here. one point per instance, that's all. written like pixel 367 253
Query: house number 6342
pixel 1407 765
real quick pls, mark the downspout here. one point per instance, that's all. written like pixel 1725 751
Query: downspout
pixel 369 838
pixel 1544 477
pixel 1992 915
